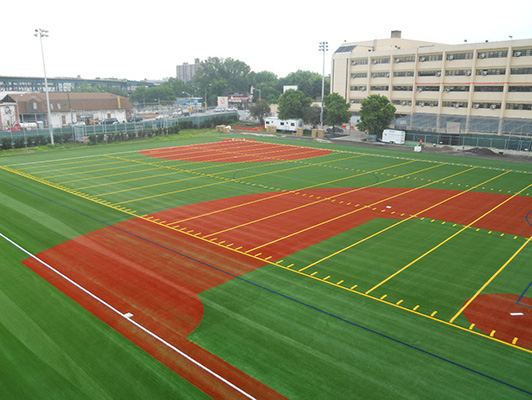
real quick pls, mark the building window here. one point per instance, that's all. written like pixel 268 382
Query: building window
pixel 358 88
pixel 51 106
pixel 520 89
pixel 58 106
pixel 402 102
pixel 522 53
pixel 356 101
pixel 404 59
pixel 33 105
pixel 383 60
pixel 457 88
pixel 460 56
pixel 428 88
pixel 427 103
pixel 493 54
pixel 380 75
pixel 402 74
pixel 359 75
pixel 492 106
pixel 430 57
pixel 457 72
pixel 435 72
pixel 403 88
pixel 521 71
pixel 380 88
pixel 492 71
pixel 360 61
pixel 518 106
pixel 455 104
pixel 489 88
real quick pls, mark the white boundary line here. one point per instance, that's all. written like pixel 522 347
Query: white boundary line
pixel 130 320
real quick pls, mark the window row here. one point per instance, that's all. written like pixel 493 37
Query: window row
pixel 456 104
pixel 450 57
pixel 450 72
pixel 436 88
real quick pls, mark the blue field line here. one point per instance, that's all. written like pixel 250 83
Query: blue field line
pixel 530 284
pixel 383 335
pixel 523 295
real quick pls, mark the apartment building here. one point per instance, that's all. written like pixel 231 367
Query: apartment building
pixel 465 88
pixel 186 71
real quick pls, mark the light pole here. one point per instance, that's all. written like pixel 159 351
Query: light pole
pixel 324 46
pixel 40 33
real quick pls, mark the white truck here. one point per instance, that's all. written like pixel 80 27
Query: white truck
pixel 287 125
pixel 393 136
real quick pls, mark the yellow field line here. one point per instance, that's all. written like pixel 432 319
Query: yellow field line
pixel 447 240
pixel 416 215
pixel 322 200
pixel 226 180
pixel 308 204
pixel 214 174
pixel 491 279
pixel 274 263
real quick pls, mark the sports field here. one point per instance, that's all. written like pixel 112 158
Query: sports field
pixel 234 267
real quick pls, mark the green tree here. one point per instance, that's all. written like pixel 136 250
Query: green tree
pixel 265 86
pixel 306 81
pixel 293 104
pixel 221 75
pixel 259 110
pixel 313 115
pixel 337 109
pixel 376 113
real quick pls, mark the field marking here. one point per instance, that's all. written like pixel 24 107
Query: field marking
pixel 365 207
pixel 449 238
pixel 398 222
pixel 127 317
pixel 304 274
pixel 214 174
pixel 492 278
pixel 229 180
pixel 320 199
pixel 242 144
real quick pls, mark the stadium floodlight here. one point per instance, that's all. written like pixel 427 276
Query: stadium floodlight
pixel 324 46
pixel 40 33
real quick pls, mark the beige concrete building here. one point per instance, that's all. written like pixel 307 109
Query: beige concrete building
pixel 465 88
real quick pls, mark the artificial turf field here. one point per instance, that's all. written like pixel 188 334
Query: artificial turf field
pixel 197 267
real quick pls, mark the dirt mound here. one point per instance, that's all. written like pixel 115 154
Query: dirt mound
pixel 481 151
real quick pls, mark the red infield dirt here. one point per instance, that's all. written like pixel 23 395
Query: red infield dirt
pixel 504 316
pixel 234 150
pixel 156 273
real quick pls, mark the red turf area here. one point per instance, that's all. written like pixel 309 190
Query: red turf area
pixel 160 287
pixel 232 150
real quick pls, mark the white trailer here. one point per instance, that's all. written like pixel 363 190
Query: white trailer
pixel 287 125
pixel 393 136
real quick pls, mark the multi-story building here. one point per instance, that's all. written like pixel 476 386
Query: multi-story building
pixel 466 88
pixel 187 71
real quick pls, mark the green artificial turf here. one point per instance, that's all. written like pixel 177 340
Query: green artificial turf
pixel 304 336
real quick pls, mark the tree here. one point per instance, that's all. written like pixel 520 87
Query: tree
pixel 306 81
pixel 376 113
pixel 337 109
pixel 293 104
pixel 265 86
pixel 313 115
pixel 259 110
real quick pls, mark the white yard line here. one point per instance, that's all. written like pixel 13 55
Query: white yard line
pixel 127 317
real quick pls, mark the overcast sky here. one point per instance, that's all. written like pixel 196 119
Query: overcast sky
pixel 137 40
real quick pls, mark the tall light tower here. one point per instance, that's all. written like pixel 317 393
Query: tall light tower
pixel 40 33
pixel 324 46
